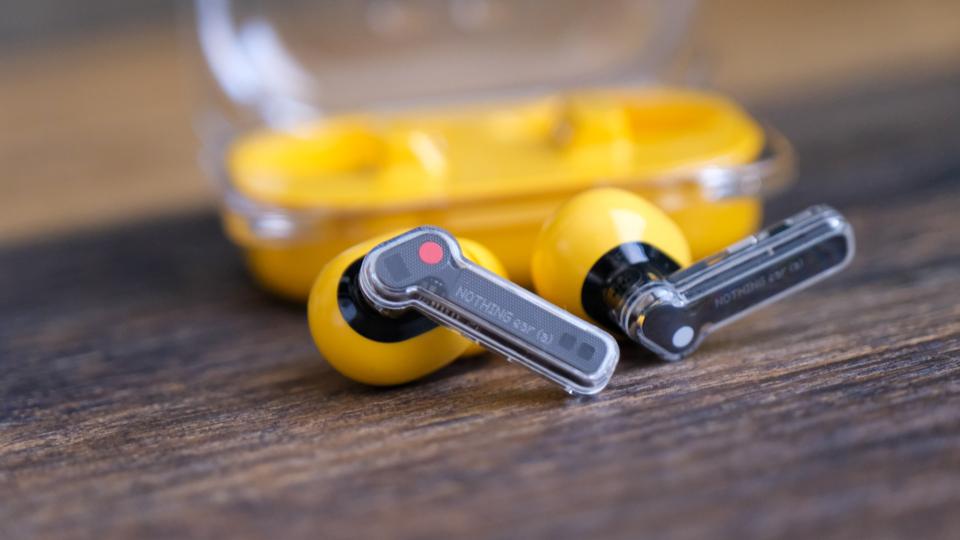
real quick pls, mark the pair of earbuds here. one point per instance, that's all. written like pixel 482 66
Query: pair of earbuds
pixel 396 308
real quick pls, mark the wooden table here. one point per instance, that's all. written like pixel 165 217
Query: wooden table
pixel 148 390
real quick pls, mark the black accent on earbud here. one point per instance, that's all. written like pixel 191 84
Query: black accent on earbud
pixel 370 323
pixel 616 272
pixel 662 322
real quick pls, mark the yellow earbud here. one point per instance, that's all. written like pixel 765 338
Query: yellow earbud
pixel 596 229
pixel 370 347
pixel 613 257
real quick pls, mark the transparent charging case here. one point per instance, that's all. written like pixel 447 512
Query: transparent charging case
pixel 328 122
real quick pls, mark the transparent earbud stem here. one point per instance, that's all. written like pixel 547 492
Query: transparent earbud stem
pixel 424 269
pixel 671 317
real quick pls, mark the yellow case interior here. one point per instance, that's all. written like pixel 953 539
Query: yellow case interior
pixel 492 173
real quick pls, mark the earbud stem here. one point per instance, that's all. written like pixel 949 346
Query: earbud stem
pixel 672 317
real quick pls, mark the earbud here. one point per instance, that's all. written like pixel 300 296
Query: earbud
pixel 370 347
pixel 617 259
pixel 374 313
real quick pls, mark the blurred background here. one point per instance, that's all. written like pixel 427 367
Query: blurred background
pixel 99 99
pixel 149 389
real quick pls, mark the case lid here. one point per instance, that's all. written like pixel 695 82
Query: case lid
pixel 282 62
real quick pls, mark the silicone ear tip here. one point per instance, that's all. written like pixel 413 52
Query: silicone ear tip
pixel 374 362
pixel 362 358
pixel 479 254
pixel 587 227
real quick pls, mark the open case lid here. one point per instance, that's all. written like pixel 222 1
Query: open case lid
pixel 280 63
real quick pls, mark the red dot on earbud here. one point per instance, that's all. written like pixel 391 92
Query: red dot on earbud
pixel 430 252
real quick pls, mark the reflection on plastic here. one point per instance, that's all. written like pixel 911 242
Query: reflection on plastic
pixel 425 270
pixel 671 317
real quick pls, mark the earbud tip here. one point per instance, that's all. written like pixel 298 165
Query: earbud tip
pixel 587 227
pixel 364 352
pixel 384 356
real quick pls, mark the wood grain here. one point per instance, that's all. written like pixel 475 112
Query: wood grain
pixel 148 390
